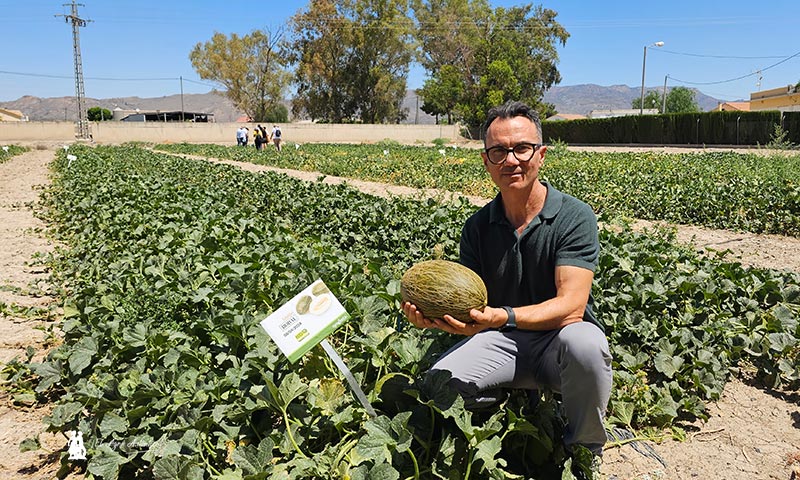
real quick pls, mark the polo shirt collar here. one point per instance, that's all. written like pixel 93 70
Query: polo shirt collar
pixel 551 207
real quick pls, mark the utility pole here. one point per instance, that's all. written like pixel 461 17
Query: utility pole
pixel 182 118
pixel 77 22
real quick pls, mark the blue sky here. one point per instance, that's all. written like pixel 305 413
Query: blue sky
pixel 141 47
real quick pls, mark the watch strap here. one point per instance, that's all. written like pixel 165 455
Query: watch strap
pixel 511 323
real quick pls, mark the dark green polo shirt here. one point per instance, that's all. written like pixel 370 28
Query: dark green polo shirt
pixel 519 270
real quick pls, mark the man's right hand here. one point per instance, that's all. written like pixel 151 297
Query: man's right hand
pixel 417 318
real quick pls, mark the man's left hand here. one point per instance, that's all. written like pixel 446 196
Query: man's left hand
pixel 488 318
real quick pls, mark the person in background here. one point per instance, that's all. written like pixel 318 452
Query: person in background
pixel 276 137
pixel 536 250
pixel 240 136
pixel 258 140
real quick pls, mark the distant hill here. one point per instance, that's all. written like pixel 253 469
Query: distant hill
pixel 63 108
pixel 567 99
pixel 582 99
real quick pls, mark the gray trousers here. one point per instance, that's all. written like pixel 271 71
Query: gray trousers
pixel 574 361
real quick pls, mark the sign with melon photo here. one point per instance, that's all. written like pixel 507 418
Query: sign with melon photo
pixel 305 320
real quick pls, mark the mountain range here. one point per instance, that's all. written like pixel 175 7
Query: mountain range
pixel 577 99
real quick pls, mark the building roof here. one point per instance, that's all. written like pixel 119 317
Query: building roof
pixel 565 116
pixel 621 112
pixel 6 114
pixel 733 107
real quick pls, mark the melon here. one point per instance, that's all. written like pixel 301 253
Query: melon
pixel 441 287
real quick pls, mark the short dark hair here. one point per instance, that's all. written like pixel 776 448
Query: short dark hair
pixel 511 109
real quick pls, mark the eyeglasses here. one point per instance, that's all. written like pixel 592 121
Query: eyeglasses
pixel 522 152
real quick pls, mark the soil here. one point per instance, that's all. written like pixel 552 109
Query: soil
pixel 752 432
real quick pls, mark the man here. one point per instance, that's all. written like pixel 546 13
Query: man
pixel 536 250
pixel 276 137
pixel 240 136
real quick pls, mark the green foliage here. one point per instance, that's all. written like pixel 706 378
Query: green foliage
pixel 478 57
pixel 779 140
pixel 681 100
pixel 729 190
pixel 439 142
pixel 652 99
pixel 250 67
pixel 98 114
pixel 678 100
pixel 277 114
pixel 8 151
pixel 168 265
pixel 709 128
pixel 352 60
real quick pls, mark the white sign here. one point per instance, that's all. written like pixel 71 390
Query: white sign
pixel 309 317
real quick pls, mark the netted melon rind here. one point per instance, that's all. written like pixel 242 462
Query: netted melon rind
pixel 441 287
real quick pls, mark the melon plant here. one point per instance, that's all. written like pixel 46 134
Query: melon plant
pixel 442 287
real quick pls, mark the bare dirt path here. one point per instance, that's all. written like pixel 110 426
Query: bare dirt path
pixel 25 317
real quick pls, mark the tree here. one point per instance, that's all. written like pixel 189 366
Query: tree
pixel 441 93
pixel 681 100
pixel 652 99
pixel 250 68
pixel 97 114
pixel 499 55
pixel 352 60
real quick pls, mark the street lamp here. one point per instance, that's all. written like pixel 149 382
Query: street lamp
pixel 644 62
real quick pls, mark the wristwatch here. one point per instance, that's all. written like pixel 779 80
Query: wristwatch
pixel 511 323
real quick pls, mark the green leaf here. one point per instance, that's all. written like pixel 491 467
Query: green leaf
pixel 254 460
pixel 384 471
pixel 385 436
pixel 111 423
pixel 105 463
pixel 291 388
pixel 82 354
pixel 136 336
pixel 49 374
pixel 487 452
pixel 63 414
pixel 29 445
pixel 667 364
pixel 176 467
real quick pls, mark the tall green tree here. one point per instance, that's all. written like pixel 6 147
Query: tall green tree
pixel 682 100
pixel 352 60
pixel 250 68
pixel 678 100
pixel 500 54
pixel 97 114
pixel 652 99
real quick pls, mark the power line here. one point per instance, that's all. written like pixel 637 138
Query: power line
pixel 109 79
pixel 661 50
pixel 757 72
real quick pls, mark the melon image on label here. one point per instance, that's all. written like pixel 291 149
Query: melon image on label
pixel 303 304
pixel 319 288
pixel 320 305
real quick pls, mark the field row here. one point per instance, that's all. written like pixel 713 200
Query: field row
pixel 169 264
pixel 735 191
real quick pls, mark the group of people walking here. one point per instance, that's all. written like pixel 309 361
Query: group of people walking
pixel 260 137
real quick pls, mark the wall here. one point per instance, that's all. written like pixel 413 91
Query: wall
pixel 119 132
pixel 785 99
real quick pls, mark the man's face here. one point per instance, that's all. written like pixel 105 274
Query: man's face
pixel 513 174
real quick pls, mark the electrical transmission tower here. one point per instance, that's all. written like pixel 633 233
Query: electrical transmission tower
pixel 77 22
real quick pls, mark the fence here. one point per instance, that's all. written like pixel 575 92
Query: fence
pixel 710 128
pixel 120 132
